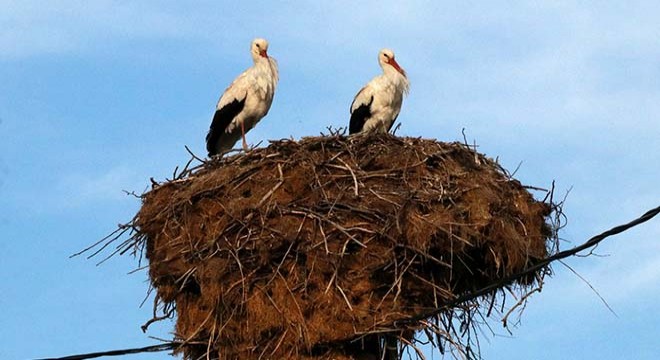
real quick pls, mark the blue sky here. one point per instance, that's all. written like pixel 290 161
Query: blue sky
pixel 97 97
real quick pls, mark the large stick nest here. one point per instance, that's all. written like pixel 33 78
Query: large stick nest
pixel 316 248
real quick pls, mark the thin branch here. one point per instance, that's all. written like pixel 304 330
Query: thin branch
pixel 590 286
pixel 195 156
pixel 272 191
pixel 505 319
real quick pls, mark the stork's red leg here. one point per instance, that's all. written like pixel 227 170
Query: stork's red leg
pixel 245 145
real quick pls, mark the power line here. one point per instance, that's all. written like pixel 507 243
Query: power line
pixel 538 266
pixel 470 296
pixel 152 348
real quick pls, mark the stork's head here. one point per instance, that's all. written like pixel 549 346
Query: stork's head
pixel 259 48
pixel 386 60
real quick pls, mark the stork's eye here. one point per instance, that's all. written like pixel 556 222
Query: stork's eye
pixel 257 45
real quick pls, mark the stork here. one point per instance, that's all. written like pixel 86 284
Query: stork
pixel 377 105
pixel 245 102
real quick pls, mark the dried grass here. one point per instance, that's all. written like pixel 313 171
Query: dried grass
pixel 323 247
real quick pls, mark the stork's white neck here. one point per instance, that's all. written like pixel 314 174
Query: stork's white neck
pixel 262 63
pixel 390 71
pixel 265 70
pixel 394 76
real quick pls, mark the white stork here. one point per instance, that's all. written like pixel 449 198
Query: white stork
pixel 245 101
pixel 377 105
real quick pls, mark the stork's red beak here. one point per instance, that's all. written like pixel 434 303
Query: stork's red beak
pixel 396 66
pixel 263 53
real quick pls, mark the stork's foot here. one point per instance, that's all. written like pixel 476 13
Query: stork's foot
pixel 245 146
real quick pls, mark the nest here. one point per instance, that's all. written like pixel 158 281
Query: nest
pixel 320 248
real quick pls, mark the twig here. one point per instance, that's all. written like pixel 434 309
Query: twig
pixel 535 188
pixel 277 186
pixel 195 156
pixel 344 295
pixel 464 138
pixel 515 170
pixel 519 303
pixel 153 320
pixel 418 351
pixel 590 286
pixel 396 128
pixel 121 229
pixel 132 193
pixel 355 182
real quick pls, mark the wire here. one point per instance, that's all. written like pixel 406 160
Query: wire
pixel 467 297
pixel 152 348
pixel 538 266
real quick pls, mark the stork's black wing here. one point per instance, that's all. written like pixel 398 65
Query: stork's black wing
pixel 359 116
pixel 221 121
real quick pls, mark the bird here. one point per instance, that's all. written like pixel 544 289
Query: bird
pixel 377 105
pixel 245 102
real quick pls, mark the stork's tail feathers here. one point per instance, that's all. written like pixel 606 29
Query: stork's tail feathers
pixel 221 120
